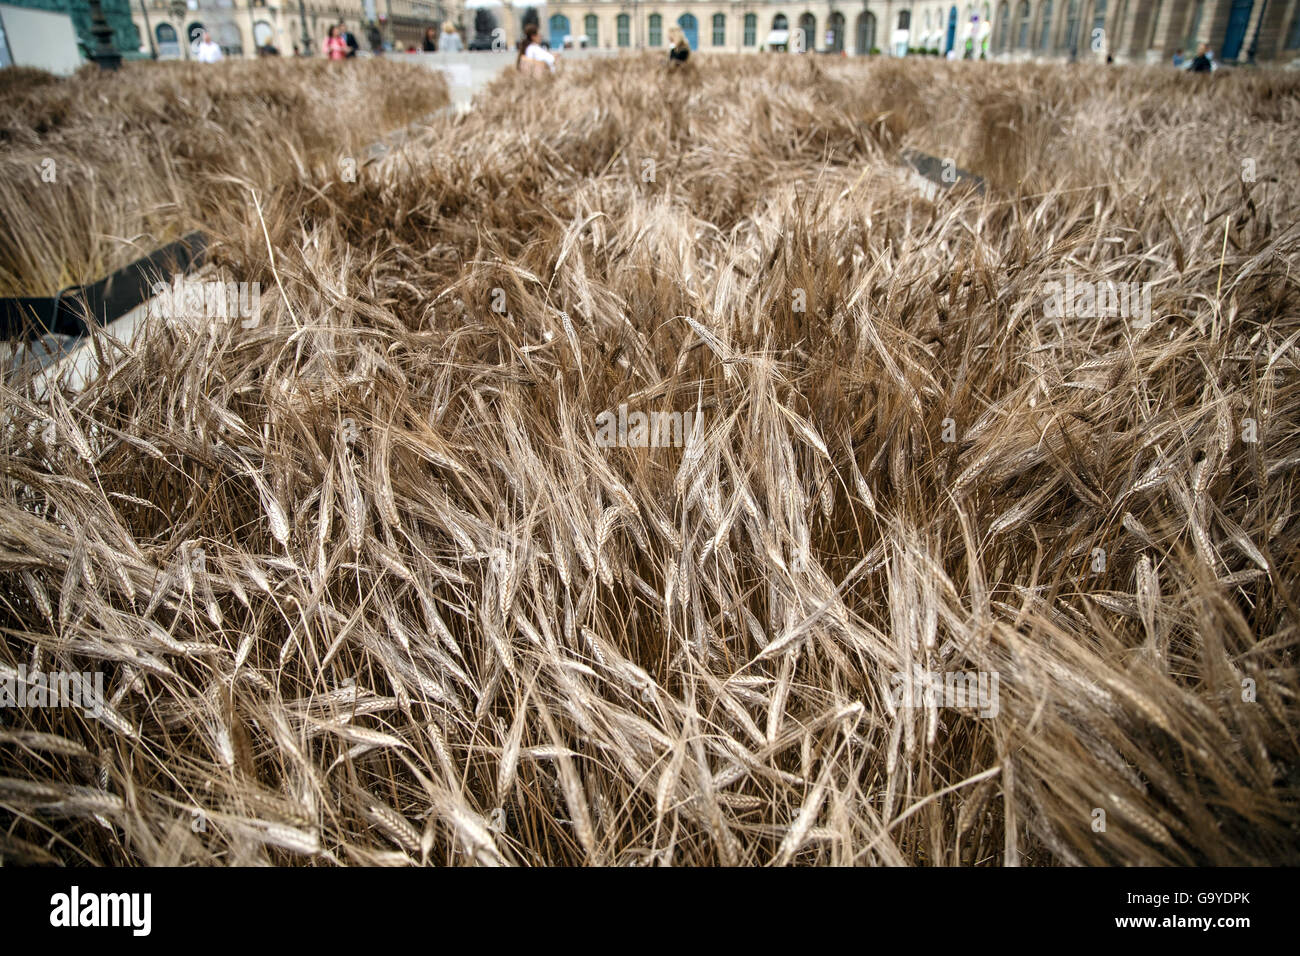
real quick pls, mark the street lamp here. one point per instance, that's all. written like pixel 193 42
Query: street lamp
pixel 1254 43
pixel 104 53
pixel 178 8
pixel 153 50
pixel 306 37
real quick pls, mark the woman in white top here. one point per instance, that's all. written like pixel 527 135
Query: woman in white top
pixel 533 57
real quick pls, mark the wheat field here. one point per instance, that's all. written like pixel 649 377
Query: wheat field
pixel 368 580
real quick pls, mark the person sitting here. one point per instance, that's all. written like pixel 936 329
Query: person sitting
pixel 534 59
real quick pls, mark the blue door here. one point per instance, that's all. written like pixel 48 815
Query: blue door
pixel 1237 21
pixel 559 29
pixel 691 27
pixel 952 29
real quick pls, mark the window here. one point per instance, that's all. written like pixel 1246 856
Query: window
pixel 1072 26
pixel 558 28
pixel 1194 27
pixel 1155 22
pixel 1022 37
pixel 624 30
pixel 168 44
pixel 1046 35
pixel 1004 14
pixel 656 37
pixel 1293 34
pixel 808 24
pixel 751 29
pixel 262 33
pixel 905 20
pixel 1097 39
pixel 779 22
pixel 591 28
pixel 719 29
pixel 835 33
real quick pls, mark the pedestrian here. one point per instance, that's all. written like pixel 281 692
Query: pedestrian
pixel 335 47
pixel 430 40
pixel 1179 60
pixel 534 59
pixel 1202 63
pixel 350 39
pixel 208 51
pixel 451 42
pixel 679 51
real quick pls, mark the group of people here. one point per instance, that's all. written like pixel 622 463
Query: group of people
pixel 1203 62
pixel 534 59
pixel 450 42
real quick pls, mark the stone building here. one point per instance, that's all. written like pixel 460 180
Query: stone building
pixel 1129 30
pixel 243 26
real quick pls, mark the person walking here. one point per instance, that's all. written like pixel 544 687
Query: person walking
pixel 430 40
pixel 350 39
pixel 451 42
pixel 208 51
pixel 335 47
pixel 679 51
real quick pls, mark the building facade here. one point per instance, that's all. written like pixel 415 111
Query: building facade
pixel 170 27
pixel 1134 31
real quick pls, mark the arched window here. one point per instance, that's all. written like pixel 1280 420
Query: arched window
pixel 905 20
pixel 624 26
pixel 591 27
pixel 779 22
pixel 1004 26
pixel 751 29
pixel 1045 27
pixel 531 16
pixel 835 33
pixel 194 33
pixel 1071 43
pixel 866 33
pixel 808 24
pixel 169 46
pixel 557 30
pixel 690 29
pixel 719 29
pixel 263 34
pixel 656 31
pixel 1154 24
pixel 1022 26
